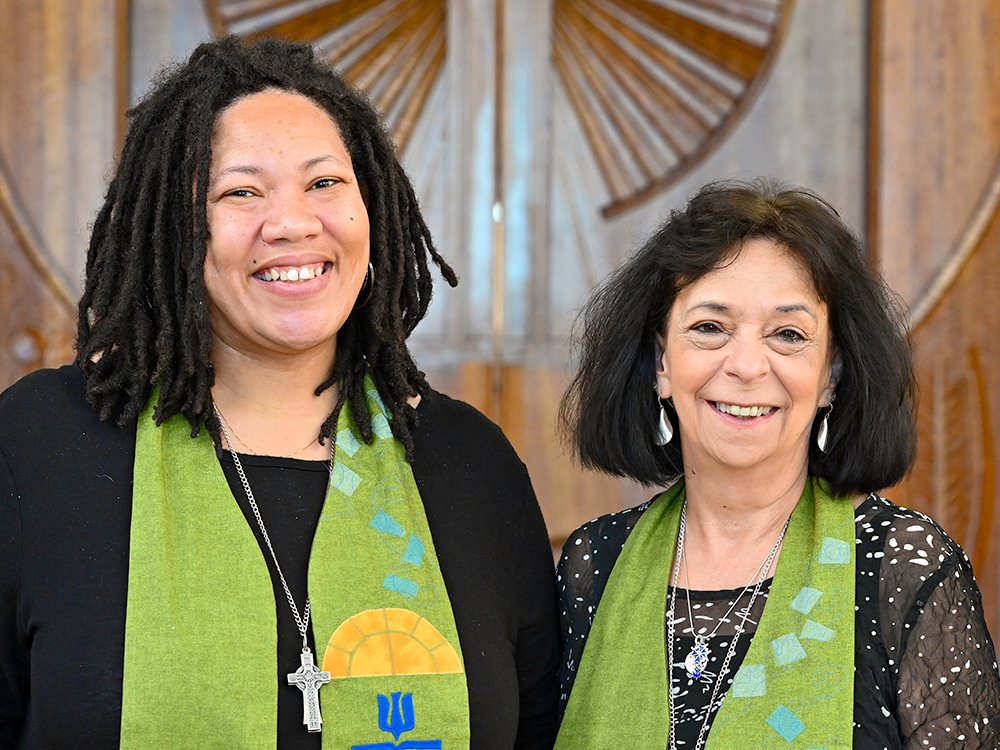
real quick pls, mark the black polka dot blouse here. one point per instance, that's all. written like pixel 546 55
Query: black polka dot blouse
pixel 925 666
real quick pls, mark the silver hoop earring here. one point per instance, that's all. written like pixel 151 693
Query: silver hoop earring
pixel 370 283
pixel 823 434
pixel 665 432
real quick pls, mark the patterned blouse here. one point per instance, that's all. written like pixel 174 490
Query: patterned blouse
pixel 925 673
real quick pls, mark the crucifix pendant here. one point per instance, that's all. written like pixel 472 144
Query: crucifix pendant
pixel 697 659
pixel 308 679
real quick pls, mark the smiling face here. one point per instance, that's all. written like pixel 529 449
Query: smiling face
pixel 746 358
pixel 289 243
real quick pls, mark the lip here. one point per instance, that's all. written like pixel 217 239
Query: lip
pixel 298 289
pixel 747 420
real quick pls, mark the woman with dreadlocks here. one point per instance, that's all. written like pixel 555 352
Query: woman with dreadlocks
pixel 243 518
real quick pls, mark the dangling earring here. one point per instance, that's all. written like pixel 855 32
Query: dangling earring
pixel 824 428
pixel 370 283
pixel 665 433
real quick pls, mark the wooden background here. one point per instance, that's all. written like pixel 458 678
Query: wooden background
pixel 890 109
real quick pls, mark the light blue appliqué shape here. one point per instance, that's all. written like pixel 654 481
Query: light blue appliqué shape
pixel 414 551
pixel 750 681
pixel 344 479
pixel 787 650
pixel 806 599
pixel 813 631
pixel 347 442
pixel 834 552
pixel 380 426
pixel 387 524
pixel 400 585
pixel 785 723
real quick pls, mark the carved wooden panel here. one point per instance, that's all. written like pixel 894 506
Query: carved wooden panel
pixel 958 355
pixel 934 202
pixel 37 317
pixel 656 86
pixel 62 88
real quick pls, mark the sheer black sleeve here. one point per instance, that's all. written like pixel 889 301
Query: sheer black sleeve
pixel 588 557
pixel 932 623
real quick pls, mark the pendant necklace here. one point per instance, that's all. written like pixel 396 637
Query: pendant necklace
pixel 697 659
pixel 307 678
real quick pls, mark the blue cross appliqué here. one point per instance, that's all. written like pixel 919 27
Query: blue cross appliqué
pixel 398 717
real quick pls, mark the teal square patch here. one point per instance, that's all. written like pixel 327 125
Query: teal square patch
pixel 750 681
pixel 414 551
pixel 785 723
pixel 344 479
pixel 813 631
pixel 347 442
pixel 403 586
pixel 834 552
pixel 806 599
pixel 787 650
pixel 387 524
pixel 380 426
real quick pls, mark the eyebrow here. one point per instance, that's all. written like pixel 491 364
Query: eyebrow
pixel 721 308
pixel 249 169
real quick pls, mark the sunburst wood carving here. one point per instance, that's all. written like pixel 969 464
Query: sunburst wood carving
pixel 392 49
pixel 655 84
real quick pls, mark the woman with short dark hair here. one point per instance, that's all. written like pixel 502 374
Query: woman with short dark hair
pixel 770 595
pixel 243 518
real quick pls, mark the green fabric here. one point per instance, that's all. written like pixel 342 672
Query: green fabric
pixel 200 665
pixel 795 688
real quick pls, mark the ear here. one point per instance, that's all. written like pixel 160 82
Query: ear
pixel 836 368
pixel 663 388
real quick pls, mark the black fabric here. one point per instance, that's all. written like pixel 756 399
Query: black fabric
pixel 65 512
pixel 925 670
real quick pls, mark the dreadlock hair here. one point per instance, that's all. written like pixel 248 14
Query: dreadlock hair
pixel 143 316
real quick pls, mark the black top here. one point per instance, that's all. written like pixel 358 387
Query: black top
pixel 65 512
pixel 925 670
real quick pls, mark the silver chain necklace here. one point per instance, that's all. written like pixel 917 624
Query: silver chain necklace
pixel 699 654
pixel 307 678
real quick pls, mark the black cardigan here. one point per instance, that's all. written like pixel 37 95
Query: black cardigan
pixel 65 511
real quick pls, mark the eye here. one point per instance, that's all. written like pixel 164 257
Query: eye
pixel 790 336
pixel 324 182
pixel 707 327
pixel 239 193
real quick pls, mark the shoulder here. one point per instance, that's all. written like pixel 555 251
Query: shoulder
pixel 904 537
pixel 45 417
pixel 591 552
pixel 453 434
pixel 44 389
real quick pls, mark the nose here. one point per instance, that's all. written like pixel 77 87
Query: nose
pixel 291 217
pixel 748 359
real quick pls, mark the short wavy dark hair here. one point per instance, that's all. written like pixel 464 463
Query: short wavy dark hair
pixel 610 410
pixel 143 315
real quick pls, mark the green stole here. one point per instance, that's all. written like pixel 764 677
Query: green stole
pixel 200 639
pixel 795 688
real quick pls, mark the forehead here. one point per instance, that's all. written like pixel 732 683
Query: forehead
pixel 762 274
pixel 274 115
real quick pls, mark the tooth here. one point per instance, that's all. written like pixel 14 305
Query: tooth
pixel 293 275
pixel 306 273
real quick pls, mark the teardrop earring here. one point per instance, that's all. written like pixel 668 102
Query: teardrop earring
pixel 665 433
pixel 823 434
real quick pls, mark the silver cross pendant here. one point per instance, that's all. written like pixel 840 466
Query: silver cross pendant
pixel 308 679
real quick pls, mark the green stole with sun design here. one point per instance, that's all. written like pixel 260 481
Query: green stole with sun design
pixel 200 664
pixel 794 689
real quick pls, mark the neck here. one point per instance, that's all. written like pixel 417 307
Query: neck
pixel 733 521
pixel 270 404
